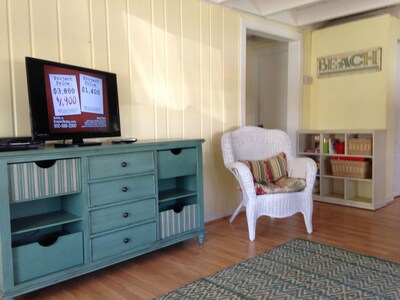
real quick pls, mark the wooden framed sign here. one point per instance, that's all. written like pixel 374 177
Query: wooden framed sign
pixel 368 60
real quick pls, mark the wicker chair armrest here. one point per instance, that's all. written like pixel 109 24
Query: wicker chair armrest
pixel 245 178
pixel 303 167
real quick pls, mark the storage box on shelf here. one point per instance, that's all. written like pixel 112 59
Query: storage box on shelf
pixel 352 165
pixel 67 212
pixel 349 167
pixel 360 146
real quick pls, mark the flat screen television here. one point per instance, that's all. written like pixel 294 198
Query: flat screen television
pixel 71 103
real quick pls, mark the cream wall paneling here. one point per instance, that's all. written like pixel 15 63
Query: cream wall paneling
pixel 177 63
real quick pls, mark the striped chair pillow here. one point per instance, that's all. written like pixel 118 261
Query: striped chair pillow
pixel 269 170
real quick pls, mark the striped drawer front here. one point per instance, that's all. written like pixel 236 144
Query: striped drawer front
pixel 172 223
pixel 29 181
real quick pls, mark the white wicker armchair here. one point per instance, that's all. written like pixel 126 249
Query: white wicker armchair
pixel 253 143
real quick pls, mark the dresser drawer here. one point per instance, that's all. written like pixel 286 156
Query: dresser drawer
pixel 176 162
pixel 172 223
pixel 106 166
pixel 32 180
pixel 126 240
pixel 122 215
pixel 129 188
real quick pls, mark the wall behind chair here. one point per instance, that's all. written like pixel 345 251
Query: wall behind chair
pixel 177 63
pixel 362 100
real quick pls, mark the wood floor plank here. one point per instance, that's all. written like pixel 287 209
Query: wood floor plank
pixel 373 233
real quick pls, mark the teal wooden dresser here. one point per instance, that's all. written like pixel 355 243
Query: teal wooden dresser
pixel 67 212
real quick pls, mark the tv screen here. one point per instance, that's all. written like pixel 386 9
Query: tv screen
pixel 70 102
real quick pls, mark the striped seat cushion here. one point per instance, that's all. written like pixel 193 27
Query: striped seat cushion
pixel 269 170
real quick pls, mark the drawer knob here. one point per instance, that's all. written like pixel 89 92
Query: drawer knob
pixel 125 214
pixel 124 164
pixel 126 240
pixel 124 189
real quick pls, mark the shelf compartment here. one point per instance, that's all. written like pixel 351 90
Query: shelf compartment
pixel 177 187
pixel 37 222
pixel 333 138
pixel 332 187
pixel 310 143
pixel 177 203
pixel 325 166
pixel 167 195
pixel 35 260
pixel 359 144
pixel 359 191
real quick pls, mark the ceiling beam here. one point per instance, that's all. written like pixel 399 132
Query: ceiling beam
pixel 303 13
pixel 336 9
pixel 269 7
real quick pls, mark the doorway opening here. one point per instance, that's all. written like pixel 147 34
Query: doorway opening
pixel 266 83
pixel 290 106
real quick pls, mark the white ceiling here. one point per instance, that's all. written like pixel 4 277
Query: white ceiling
pixel 312 14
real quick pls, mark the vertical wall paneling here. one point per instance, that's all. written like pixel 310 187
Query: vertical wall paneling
pixel 75 32
pixel 205 91
pixel 120 60
pixel 159 68
pixel 44 36
pixel 191 68
pixel 231 59
pixel 142 69
pixel 90 8
pixel 99 34
pixel 6 111
pixel 177 63
pixel 174 68
pixel 231 69
pixel 20 46
pixel 217 94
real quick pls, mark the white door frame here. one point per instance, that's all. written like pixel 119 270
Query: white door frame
pixel 396 130
pixel 295 70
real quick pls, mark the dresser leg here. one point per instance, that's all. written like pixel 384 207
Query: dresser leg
pixel 200 238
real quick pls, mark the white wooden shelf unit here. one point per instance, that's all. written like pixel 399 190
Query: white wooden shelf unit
pixel 369 192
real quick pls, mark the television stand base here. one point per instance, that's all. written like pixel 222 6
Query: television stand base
pixel 62 145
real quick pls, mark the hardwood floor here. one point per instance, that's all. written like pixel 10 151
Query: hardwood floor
pixel 372 233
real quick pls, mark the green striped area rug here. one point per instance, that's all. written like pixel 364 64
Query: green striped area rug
pixel 300 269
